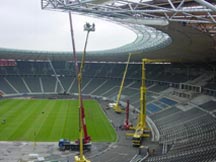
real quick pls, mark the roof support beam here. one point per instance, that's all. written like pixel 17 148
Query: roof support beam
pixel 211 17
pixel 208 5
pixel 126 10
pixel 171 4
pixel 190 21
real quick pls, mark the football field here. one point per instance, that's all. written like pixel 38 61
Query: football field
pixel 50 120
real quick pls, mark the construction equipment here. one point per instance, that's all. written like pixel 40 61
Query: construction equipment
pixel 116 106
pixel 127 125
pixel 141 129
pixel 65 144
pixel 82 125
pixel 86 139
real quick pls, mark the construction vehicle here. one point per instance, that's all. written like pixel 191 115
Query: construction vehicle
pixel 116 107
pixel 86 138
pixel 141 129
pixel 83 143
pixel 65 144
pixel 82 124
pixel 127 125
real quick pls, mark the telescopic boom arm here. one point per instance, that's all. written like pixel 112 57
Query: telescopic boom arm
pixel 116 107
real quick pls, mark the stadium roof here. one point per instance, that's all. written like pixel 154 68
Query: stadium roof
pixel 191 27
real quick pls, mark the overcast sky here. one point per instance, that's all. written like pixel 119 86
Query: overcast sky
pixel 23 25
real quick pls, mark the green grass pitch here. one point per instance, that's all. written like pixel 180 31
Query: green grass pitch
pixel 50 120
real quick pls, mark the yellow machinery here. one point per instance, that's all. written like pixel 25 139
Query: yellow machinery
pixel 81 158
pixel 141 129
pixel 88 28
pixel 116 106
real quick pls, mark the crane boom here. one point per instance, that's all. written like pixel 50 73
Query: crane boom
pixel 86 138
pixel 116 107
pixel 127 125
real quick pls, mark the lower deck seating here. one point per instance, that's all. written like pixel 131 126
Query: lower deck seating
pixel 153 108
pixel 49 83
pixel 168 101
pixel 33 83
pixel 209 106
pixel 191 135
pixel 5 87
pixel 17 83
pixel 158 88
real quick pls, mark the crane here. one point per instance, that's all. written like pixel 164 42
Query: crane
pixel 127 125
pixel 116 106
pixel 83 128
pixel 141 129
pixel 86 138
pixel 82 123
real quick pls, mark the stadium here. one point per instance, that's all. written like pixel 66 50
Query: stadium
pixel 151 100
